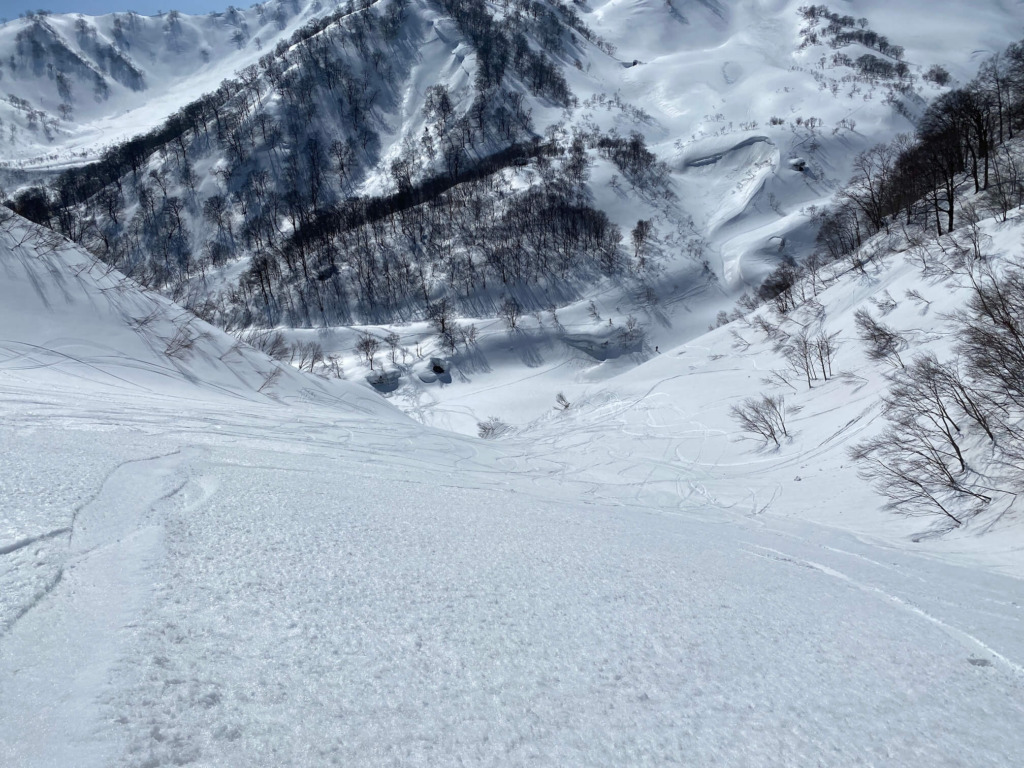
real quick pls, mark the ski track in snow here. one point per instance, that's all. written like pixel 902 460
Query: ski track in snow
pixel 902 602
pixel 59 648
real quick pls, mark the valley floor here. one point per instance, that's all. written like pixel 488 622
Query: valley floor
pixel 223 582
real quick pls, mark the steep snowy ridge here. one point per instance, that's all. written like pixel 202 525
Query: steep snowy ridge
pixel 66 312
pixel 73 328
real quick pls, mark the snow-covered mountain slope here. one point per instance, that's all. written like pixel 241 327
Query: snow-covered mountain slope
pixel 755 109
pixel 120 74
pixel 660 412
pixel 72 328
pixel 698 62
pixel 101 328
pixel 752 112
pixel 194 572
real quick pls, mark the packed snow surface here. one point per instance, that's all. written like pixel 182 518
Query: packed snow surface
pixel 202 562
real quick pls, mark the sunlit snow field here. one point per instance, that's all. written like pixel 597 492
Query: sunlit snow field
pixel 198 571
pixel 209 558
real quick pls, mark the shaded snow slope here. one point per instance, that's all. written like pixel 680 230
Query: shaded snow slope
pixel 103 329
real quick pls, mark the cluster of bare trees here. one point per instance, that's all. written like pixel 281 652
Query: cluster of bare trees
pixel 955 429
pixel 954 434
pixel 840 30
pixel 476 242
pixel 277 160
pixel 503 46
pixel 961 145
pixel 809 354
pixel 304 355
pixel 953 440
pixel 297 131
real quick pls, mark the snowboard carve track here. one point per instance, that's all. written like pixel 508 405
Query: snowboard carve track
pixel 6 549
pixel 960 634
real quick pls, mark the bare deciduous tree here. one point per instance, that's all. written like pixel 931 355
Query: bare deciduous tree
pixel 802 356
pixel 908 471
pixel 883 342
pixel 310 354
pixel 640 235
pixel 764 416
pixel 826 345
pixel 367 347
pixel 393 340
pixel 918 460
pixel 510 311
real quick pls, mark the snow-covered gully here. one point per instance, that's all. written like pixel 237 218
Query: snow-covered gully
pixel 431 222
pixel 264 585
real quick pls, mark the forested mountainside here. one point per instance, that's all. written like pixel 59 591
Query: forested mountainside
pixel 69 79
pixel 268 166
pixel 383 161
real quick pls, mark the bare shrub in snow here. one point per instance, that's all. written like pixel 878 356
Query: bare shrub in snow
pixel 491 428
pixel 309 353
pixel 885 303
pixel 764 416
pixel 769 330
pixel 393 340
pixel 510 311
pixel 271 343
pixel 183 341
pixel 915 296
pixel 271 378
pixel 882 341
pixel 738 342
